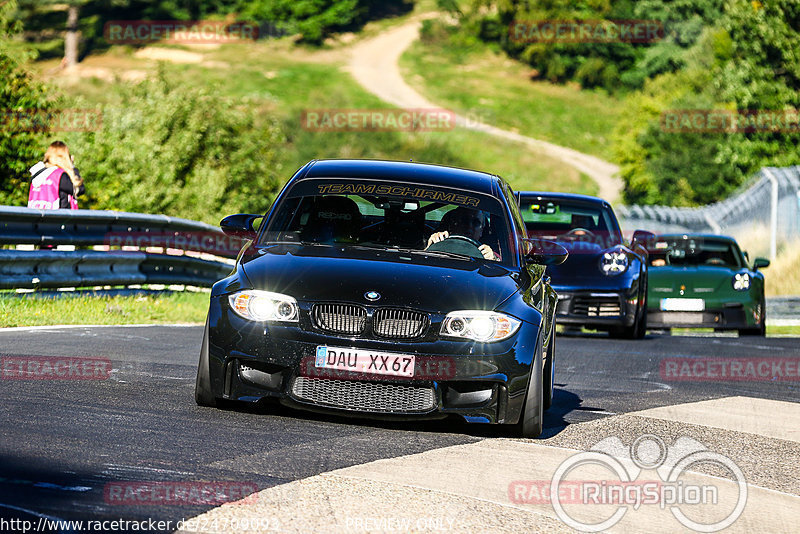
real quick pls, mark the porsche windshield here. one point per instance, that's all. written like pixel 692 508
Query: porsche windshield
pixel 563 220
pixel 695 252
pixel 384 215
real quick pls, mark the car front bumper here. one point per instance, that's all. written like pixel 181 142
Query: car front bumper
pixel 599 309
pixel 485 383
pixel 728 315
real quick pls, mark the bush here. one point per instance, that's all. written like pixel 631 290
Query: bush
pixel 182 152
pixel 18 93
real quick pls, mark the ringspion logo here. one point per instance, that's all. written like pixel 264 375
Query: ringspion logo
pixel 609 475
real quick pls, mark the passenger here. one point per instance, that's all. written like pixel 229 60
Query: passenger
pixel 467 223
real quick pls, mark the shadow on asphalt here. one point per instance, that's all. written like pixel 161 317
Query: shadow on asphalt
pixel 564 402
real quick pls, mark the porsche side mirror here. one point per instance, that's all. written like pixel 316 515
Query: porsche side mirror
pixel 642 237
pixel 543 252
pixel 760 263
pixel 240 225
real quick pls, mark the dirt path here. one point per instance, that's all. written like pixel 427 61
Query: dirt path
pixel 374 64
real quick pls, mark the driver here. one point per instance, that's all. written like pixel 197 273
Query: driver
pixel 464 222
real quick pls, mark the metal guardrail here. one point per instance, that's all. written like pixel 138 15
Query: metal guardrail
pixel 46 268
pixel 770 199
pixel 787 308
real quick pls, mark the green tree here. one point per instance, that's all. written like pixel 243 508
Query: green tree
pixel 747 63
pixel 182 151
pixel 20 95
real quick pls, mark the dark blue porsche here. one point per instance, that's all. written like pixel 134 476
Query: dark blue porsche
pixel 384 289
pixel 603 283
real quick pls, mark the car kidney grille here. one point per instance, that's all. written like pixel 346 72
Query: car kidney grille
pixel 596 306
pixel 399 324
pixel 364 396
pixel 340 318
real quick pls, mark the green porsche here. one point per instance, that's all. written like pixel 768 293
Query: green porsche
pixel 704 281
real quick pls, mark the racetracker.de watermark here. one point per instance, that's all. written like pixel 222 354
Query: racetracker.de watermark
pixel 63 120
pixel 207 242
pixel 378 120
pixel 586 31
pixel 54 368
pixel 164 493
pixel 753 369
pixel 729 121
pixel 179 31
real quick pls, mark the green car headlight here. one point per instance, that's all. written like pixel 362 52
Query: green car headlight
pixel 741 281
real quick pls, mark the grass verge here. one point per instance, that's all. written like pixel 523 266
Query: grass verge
pixel 469 77
pixel 178 307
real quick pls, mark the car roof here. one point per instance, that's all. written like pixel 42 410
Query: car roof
pixel 586 199
pixel 690 235
pixel 408 171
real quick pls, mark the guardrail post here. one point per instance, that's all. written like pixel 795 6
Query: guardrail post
pixel 773 216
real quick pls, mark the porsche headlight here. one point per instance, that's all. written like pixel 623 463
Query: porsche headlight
pixel 258 305
pixel 613 262
pixel 484 326
pixel 741 281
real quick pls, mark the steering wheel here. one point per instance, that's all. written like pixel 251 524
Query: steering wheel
pixel 458 244
pixel 574 231
pixel 464 238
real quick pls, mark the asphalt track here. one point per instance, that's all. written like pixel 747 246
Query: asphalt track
pixel 65 442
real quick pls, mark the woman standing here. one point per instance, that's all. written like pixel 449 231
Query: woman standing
pixel 56 182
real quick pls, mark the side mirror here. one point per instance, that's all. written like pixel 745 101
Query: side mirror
pixel 760 263
pixel 642 237
pixel 543 252
pixel 240 225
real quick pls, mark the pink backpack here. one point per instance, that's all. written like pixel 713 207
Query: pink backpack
pixel 44 190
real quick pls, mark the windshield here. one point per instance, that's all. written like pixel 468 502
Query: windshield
pixel 370 213
pixel 694 252
pixel 569 221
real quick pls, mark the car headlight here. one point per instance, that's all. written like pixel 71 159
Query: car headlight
pixel 741 281
pixel 258 305
pixel 484 326
pixel 613 262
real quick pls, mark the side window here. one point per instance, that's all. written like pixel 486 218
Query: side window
pixel 516 219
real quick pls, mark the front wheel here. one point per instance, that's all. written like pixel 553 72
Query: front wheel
pixel 531 422
pixel 203 395
pixel 548 377
pixel 761 329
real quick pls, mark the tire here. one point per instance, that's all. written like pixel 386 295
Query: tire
pixel 548 376
pixel 761 329
pixel 639 327
pixel 531 422
pixel 203 395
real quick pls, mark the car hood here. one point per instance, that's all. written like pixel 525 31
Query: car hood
pixel 583 262
pixel 703 278
pixel 433 283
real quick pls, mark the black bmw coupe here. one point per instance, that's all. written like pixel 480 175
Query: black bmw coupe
pixel 395 290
